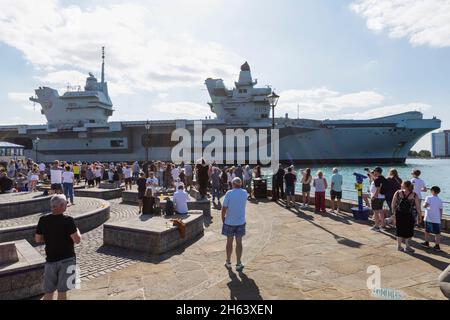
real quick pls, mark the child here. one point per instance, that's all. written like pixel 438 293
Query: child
pixel 433 217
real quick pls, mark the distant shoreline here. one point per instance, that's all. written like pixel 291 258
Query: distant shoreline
pixel 422 158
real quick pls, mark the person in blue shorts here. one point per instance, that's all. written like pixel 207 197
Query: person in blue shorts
pixel 433 217
pixel 233 218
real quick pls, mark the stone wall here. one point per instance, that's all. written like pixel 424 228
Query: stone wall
pixel 130 197
pixel 22 208
pixel 85 223
pixel 149 241
pixel 105 194
pixel 24 278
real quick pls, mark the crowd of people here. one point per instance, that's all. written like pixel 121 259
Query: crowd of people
pixel 404 199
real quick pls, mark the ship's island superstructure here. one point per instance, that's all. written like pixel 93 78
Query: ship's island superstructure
pixel 78 129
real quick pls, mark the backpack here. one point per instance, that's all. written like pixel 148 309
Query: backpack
pixel 170 208
pixel 404 205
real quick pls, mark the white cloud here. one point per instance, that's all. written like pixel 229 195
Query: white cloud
pixel 424 22
pixel 18 96
pixel 22 99
pixel 322 100
pixel 63 43
pixel 388 110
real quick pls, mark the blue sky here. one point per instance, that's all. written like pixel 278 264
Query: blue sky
pixel 335 58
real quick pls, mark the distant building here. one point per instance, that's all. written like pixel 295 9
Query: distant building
pixel 440 146
pixel 10 151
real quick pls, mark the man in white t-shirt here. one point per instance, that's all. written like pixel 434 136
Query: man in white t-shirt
pixel 175 173
pixel 127 175
pixel 152 182
pixel 433 216
pixel 180 200
pixel 56 178
pixel 419 187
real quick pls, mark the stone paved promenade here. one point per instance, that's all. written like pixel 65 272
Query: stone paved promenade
pixel 288 254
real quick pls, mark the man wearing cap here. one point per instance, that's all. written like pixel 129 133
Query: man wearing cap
pixel 378 198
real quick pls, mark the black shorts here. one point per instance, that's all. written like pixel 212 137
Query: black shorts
pixel 336 194
pixel 128 180
pixel 56 186
pixel 306 188
pixel 76 177
pixel 90 182
pixel 377 204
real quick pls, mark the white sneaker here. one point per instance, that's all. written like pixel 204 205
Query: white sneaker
pixel 228 265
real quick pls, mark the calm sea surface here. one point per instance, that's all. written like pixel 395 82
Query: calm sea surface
pixel 434 172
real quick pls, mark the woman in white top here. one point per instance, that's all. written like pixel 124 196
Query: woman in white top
pixel 67 179
pixel 320 185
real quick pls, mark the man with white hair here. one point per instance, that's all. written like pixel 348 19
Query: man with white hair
pixel 233 218
pixel 59 234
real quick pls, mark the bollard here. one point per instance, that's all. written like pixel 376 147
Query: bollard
pixel 360 212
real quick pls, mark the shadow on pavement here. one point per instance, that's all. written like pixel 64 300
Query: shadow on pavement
pixel 243 288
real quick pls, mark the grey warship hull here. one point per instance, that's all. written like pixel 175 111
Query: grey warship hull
pixel 77 128
pixel 302 141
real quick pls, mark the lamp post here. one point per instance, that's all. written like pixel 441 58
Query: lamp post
pixel 273 100
pixel 36 142
pixel 147 128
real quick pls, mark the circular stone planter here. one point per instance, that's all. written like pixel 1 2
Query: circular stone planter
pixel 15 205
pixel 87 217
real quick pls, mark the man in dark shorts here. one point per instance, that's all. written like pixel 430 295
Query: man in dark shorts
pixel 278 190
pixel 290 179
pixel 59 234
pixel 56 177
pixel 378 198
pixel 336 190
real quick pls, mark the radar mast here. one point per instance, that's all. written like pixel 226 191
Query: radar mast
pixel 103 64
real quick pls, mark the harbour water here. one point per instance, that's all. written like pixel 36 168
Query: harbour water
pixel 434 172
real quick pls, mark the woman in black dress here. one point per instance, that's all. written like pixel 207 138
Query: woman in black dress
pixel 141 183
pixel 405 203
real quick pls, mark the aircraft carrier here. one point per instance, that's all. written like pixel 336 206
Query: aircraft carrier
pixel 77 128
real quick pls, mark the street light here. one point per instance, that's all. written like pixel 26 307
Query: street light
pixel 36 142
pixel 147 128
pixel 273 100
